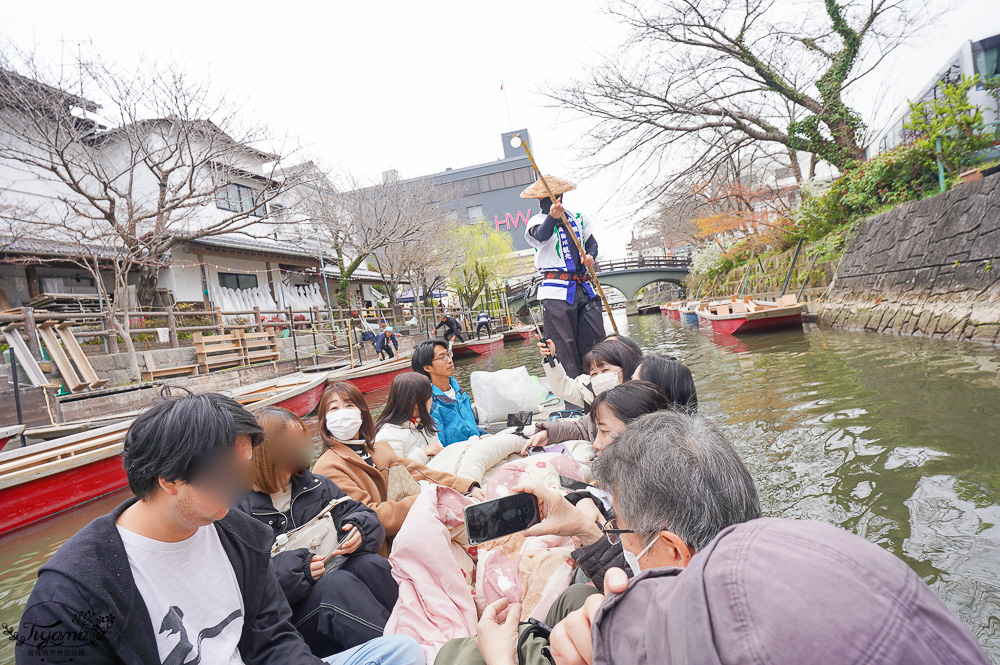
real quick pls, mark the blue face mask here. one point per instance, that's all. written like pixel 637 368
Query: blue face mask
pixel 633 560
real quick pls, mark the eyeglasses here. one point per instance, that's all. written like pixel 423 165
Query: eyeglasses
pixel 613 533
pixel 445 357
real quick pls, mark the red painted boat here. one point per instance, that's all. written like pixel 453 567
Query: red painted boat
pixel 47 478
pixel 476 347
pixel 749 315
pixel 518 333
pixel 672 309
pixel 9 432
pixel 373 376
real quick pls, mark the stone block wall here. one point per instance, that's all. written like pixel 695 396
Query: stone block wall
pixel 928 268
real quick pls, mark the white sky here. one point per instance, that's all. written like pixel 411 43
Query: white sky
pixel 415 86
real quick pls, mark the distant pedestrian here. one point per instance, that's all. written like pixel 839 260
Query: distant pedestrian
pixel 483 322
pixel 385 342
pixel 452 328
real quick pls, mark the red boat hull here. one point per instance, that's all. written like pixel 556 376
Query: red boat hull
pixel 304 403
pixel 367 384
pixel 730 326
pixel 516 335
pixel 36 499
pixel 477 349
pixel 675 314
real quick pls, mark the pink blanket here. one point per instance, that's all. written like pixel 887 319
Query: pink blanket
pixel 431 562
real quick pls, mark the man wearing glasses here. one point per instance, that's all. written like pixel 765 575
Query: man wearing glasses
pixel 676 482
pixel 452 407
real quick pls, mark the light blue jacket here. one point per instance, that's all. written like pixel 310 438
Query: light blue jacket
pixel 454 418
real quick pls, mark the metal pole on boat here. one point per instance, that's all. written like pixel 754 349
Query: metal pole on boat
pixel 576 241
pixel 795 258
pixel 291 333
pixel 17 393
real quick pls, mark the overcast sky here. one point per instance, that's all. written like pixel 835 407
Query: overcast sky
pixel 415 86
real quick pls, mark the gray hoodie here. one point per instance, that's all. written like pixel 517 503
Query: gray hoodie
pixel 782 592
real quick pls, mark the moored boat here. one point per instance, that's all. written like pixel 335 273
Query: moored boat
pixel 41 480
pixel 9 432
pixel 518 333
pixel 672 309
pixel 475 347
pixel 689 312
pixel 750 315
pixel 372 376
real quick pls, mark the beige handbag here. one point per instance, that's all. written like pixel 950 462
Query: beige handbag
pixel 400 484
pixel 319 535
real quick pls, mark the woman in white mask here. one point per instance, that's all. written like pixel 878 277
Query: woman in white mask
pixel 616 356
pixel 361 466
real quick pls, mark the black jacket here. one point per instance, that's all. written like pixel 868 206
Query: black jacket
pixel 86 590
pixel 310 493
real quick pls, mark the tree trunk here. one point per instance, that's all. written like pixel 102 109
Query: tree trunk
pixel 133 358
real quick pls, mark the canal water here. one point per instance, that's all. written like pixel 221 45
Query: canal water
pixel 894 439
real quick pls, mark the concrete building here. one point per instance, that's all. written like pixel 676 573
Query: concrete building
pixel 973 58
pixel 656 245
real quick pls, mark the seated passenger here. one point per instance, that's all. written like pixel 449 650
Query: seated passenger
pixel 405 422
pixel 609 363
pixel 673 377
pixel 337 609
pixel 360 466
pixel 451 410
pixel 778 591
pixel 609 414
pixel 172 575
pixel 676 482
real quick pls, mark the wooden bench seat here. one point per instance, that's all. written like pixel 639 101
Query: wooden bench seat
pixel 153 372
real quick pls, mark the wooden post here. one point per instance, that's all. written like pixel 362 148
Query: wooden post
pixel 204 281
pixel 313 322
pixel 112 333
pixel 172 328
pixel 219 326
pixel 258 318
pixel 30 335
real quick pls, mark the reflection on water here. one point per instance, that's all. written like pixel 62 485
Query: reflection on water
pixel 894 439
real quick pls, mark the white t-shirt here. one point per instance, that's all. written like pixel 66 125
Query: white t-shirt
pixel 192 596
pixel 282 499
pixel 450 393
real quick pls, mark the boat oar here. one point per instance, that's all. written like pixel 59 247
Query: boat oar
pixel 516 138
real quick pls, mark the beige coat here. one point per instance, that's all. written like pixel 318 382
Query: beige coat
pixel 369 484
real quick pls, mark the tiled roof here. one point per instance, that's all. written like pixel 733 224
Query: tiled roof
pixel 46 247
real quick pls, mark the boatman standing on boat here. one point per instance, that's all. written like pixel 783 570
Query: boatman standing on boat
pixel 573 318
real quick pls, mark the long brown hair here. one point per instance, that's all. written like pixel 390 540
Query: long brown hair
pixel 407 390
pixel 273 420
pixel 351 395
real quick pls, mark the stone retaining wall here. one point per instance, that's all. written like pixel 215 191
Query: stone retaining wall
pixel 928 268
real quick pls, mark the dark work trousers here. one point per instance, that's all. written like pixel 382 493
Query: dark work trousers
pixel 457 334
pixel 575 328
pixel 348 606
pixel 387 350
pixel 482 325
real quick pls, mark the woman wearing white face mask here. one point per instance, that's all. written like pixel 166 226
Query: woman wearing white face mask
pixel 617 356
pixel 360 466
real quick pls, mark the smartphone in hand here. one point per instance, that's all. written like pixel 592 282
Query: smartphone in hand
pixel 331 562
pixel 501 517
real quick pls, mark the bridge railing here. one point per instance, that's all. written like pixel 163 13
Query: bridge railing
pixel 643 263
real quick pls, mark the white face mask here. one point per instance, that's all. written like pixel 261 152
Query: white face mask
pixel 633 560
pixel 602 383
pixel 343 424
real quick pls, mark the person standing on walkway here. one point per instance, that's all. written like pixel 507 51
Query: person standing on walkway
pixel 572 309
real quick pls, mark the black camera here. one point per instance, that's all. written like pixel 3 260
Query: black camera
pixel 520 420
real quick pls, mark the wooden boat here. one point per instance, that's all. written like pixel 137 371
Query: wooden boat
pixel 689 312
pixel 649 309
pixel 749 315
pixel 671 309
pixel 47 478
pixel 374 375
pixel 518 333
pixel 299 393
pixel 9 432
pixel 476 347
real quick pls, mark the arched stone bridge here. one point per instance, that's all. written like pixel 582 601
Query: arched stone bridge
pixel 629 276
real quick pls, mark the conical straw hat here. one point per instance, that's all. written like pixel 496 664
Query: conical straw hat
pixel 537 189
